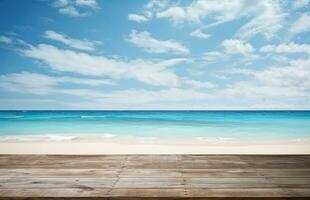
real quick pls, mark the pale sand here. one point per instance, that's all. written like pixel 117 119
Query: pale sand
pixel 78 147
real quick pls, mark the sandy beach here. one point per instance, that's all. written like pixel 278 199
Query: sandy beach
pixel 108 147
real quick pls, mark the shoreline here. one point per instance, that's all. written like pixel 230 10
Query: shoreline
pixel 109 147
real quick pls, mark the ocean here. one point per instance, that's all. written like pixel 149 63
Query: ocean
pixel 200 125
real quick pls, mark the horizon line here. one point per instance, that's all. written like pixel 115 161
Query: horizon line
pixel 156 110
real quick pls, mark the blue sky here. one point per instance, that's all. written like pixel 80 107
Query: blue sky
pixel 203 54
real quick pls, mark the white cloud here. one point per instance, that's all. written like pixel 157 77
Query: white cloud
pixel 146 71
pixel 198 33
pixel 150 44
pixel 72 11
pixel 268 18
pixel 287 48
pixel 12 41
pixel 264 17
pixel 283 82
pixel 212 56
pixel 200 9
pixel 149 97
pixel 176 14
pixel 61 3
pixel 301 25
pixel 137 18
pixel 156 4
pixel 295 75
pixel 148 11
pixel 297 4
pixel 40 84
pixel 5 39
pixel 74 43
pixel 237 47
pixel 199 84
pixel 73 7
pixel 275 87
pixel 95 98
pixel 87 3
pixel 35 83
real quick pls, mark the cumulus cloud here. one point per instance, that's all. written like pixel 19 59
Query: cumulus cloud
pixel 153 45
pixel 95 98
pixel 283 87
pixel 148 11
pixel 199 84
pixel 295 75
pixel 266 17
pixel 72 11
pixel 160 84
pixel 40 84
pixel 5 39
pixel 200 9
pixel 87 3
pixel 137 18
pixel 76 8
pixel 71 42
pixel 290 81
pixel 11 41
pixel 212 56
pixel 301 4
pixel 234 46
pixel 301 25
pixel 35 83
pixel 198 33
pixel 149 97
pixel 287 48
pixel 146 71
pixel 274 87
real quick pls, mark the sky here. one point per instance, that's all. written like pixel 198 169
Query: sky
pixel 155 55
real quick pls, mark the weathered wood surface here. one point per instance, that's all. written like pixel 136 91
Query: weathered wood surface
pixel 155 176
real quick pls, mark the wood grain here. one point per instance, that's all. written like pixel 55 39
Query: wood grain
pixel 155 176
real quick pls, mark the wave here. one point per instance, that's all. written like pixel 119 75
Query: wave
pixel 89 116
pixel 38 137
pixel 214 139
pixel 12 117
pixel 55 137
pixel 38 118
pixel 108 135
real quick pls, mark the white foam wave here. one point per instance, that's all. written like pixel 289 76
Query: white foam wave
pixel 61 137
pixel 49 137
pixel 12 117
pixel 218 139
pixel 89 117
pixel 85 116
pixel 56 137
pixel 108 135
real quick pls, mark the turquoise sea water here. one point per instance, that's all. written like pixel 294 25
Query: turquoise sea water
pixel 159 124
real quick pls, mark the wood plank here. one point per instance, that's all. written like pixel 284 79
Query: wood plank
pixel 51 182
pixel 54 192
pixel 299 192
pixel 293 182
pixel 252 193
pixel 148 192
pixel 58 173
pixel 149 183
pixel 155 176
pixel 284 172
pixel 221 173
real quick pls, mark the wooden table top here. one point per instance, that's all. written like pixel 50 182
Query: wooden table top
pixel 155 176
